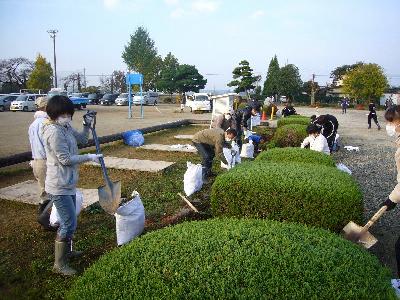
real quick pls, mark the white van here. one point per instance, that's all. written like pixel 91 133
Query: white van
pixel 198 101
pixel 25 102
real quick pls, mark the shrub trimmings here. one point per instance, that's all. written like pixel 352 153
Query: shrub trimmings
pixel 230 259
pixel 296 155
pixel 310 194
pixel 290 135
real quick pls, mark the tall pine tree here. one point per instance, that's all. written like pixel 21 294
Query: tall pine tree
pixel 243 78
pixel 272 81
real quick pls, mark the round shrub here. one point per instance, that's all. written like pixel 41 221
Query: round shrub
pixel 236 259
pixel 290 154
pixel 290 135
pixel 293 120
pixel 316 195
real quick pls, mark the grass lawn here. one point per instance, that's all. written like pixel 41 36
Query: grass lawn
pixel 27 251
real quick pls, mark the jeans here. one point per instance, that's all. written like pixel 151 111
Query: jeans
pixel 207 154
pixel 65 205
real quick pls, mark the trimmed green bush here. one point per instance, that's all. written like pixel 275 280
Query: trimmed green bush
pixel 300 155
pixel 293 120
pixel 310 194
pixel 290 135
pixel 236 259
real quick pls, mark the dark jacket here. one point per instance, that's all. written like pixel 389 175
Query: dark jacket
pixel 288 111
pixel 372 109
pixel 329 125
pixel 241 117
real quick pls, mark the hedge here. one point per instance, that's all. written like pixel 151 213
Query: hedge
pixel 316 195
pixel 300 155
pixel 236 259
pixel 293 120
pixel 290 135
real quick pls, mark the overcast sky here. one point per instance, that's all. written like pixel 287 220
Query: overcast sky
pixel 214 35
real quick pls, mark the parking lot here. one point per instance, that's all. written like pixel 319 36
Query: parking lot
pixel 110 120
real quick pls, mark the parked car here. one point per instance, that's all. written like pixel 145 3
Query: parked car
pixel 122 99
pixel 147 98
pixel 5 101
pixel 94 98
pixel 25 102
pixel 56 92
pixel 108 99
pixel 198 101
pixel 80 100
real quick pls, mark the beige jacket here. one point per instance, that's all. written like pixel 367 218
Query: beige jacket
pixel 214 137
pixel 395 194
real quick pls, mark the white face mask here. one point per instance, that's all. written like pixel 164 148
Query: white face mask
pixel 64 121
pixel 228 140
pixel 228 117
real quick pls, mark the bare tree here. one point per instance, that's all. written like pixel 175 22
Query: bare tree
pixel 14 73
pixel 71 80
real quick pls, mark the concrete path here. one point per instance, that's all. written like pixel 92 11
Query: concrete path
pixel 134 164
pixel 184 137
pixel 27 192
pixel 170 148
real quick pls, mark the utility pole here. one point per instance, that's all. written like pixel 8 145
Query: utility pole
pixel 84 77
pixel 53 33
pixel 313 90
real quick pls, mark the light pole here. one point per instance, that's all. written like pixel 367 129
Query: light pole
pixel 53 33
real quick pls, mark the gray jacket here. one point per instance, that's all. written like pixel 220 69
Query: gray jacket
pixel 63 157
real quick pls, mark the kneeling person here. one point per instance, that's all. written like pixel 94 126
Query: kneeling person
pixel 315 140
pixel 209 142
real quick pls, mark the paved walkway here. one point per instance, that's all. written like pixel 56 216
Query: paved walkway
pixel 170 148
pixel 27 192
pixel 134 164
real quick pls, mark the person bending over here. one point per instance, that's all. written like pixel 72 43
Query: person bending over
pixel 315 140
pixel 328 125
pixel 242 119
pixel 209 142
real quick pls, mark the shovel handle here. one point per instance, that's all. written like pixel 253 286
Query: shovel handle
pixel 98 151
pixel 374 218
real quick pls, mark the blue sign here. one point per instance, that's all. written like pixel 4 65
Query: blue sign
pixel 134 79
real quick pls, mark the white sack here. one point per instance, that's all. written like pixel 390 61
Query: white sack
pixel 255 120
pixel 343 168
pixel 55 217
pixel 247 150
pixel 129 220
pixel 232 156
pixel 193 178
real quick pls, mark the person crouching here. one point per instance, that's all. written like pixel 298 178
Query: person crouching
pixel 315 140
pixel 209 142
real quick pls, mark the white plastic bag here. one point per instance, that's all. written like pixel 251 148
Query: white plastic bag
pixel 247 150
pixel 129 220
pixel 193 178
pixel 343 167
pixel 232 156
pixel 55 217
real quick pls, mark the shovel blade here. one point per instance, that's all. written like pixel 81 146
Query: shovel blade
pixel 356 234
pixel 110 196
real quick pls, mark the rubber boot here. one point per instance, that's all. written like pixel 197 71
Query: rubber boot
pixel 71 254
pixel 60 259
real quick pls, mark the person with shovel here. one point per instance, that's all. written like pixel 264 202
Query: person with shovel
pixel 392 116
pixel 61 144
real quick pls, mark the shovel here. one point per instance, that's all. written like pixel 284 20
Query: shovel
pixel 110 193
pixel 360 234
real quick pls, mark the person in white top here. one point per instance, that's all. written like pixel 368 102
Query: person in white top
pixel 315 140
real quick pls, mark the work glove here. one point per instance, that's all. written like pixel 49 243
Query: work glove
pixel 389 203
pixel 88 117
pixel 95 157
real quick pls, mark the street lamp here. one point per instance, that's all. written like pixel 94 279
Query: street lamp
pixel 53 33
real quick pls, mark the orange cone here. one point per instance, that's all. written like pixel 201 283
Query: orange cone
pixel 264 116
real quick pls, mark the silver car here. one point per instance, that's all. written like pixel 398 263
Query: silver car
pixel 5 101
pixel 147 98
pixel 122 99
